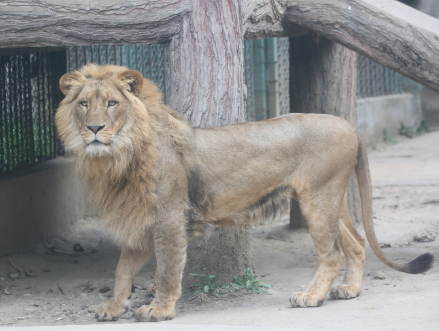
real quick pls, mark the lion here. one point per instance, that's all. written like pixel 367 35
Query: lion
pixel 157 182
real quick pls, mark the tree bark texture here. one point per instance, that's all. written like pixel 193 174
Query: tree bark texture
pixel 51 23
pixel 323 79
pixel 388 32
pixel 264 19
pixel 205 82
pixel 32 23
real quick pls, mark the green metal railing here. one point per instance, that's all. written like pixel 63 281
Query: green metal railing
pixel 375 80
pixel 29 96
pixel 29 92
pixel 267 79
pixel 150 60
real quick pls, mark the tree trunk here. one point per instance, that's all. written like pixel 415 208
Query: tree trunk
pixel 205 82
pixel 323 79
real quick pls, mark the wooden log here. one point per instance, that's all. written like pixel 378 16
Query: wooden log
pixel 388 32
pixel 264 19
pixel 73 22
pixel 323 79
pixel 205 82
pixel 52 23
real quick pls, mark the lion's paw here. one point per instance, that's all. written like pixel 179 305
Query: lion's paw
pixel 153 314
pixel 303 299
pixel 343 291
pixel 109 311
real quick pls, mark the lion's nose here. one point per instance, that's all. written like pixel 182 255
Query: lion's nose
pixel 95 129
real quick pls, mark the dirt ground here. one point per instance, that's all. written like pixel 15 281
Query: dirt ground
pixel 55 287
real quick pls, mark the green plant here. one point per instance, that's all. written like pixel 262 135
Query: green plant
pixel 410 131
pixel 374 147
pixel 387 138
pixel 423 127
pixel 249 282
pixel 208 284
pixel 407 130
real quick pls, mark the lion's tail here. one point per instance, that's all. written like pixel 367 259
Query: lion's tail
pixel 423 262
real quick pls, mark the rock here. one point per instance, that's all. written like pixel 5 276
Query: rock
pixel 92 309
pixel 379 275
pixel 104 289
pixel 78 248
pixel 424 237
pixel 151 289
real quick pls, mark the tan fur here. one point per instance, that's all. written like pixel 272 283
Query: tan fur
pixel 157 182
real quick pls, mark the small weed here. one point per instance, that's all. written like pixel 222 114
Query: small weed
pixel 411 131
pixel 249 283
pixel 387 139
pixel 423 127
pixel 207 284
pixel 407 130
pixel 374 147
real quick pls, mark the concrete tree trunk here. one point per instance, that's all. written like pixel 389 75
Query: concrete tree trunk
pixel 323 79
pixel 206 83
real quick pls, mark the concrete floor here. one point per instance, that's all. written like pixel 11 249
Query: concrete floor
pixel 406 181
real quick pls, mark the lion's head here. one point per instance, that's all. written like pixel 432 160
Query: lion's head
pixel 103 111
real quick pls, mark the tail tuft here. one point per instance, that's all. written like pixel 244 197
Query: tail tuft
pixel 419 265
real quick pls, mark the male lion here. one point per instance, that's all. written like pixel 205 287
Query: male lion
pixel 157 182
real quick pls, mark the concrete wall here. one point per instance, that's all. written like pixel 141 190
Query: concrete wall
pixel 39 202
pixel 376 113
pixel 429 98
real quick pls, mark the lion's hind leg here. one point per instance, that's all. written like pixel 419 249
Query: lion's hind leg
pixel 353 245
pixel 321 212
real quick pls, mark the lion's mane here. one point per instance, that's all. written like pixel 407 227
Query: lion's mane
pixel 122 183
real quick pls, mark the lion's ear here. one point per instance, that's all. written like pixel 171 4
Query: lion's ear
pixel 134 79
pixel 68 80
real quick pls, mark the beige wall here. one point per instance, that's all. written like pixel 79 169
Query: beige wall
pixel 38 202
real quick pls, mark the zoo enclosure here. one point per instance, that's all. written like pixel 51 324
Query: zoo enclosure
pixel 29 90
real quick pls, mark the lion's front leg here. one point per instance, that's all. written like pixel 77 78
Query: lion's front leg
pixel 129 265
pixel 170 248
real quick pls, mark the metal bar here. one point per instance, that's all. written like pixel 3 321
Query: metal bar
pixel 260 79
pixel 49 69
pixel 271 57
pixel 8 126
pixel 2 114
pixel 20 125
pixel 163 70
pixel 44 103
pixel 29 112
pixel 38 96
pixel 14 110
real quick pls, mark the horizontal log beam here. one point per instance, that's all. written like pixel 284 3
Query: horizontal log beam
pixel 386 31
pixel 40 23
pixel 51 23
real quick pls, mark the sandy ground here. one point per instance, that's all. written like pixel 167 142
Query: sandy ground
pixel 406 203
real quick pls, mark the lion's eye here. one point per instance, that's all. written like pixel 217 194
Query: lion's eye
pixel 112 103
pixel 84 103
